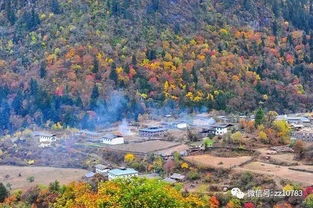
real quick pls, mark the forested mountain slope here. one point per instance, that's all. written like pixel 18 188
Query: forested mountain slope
pixel 69 61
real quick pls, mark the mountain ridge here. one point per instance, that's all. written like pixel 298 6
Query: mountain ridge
pixel 58 57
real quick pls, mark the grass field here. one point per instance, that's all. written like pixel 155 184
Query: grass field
pixel 42 175
pixel 210 161
pixel 280 171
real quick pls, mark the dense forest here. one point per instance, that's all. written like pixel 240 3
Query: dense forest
pixel 77 61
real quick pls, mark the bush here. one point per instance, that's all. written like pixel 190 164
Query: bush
pixel 236 137
pixel 31 179
pixel 193 175
pixel 309 201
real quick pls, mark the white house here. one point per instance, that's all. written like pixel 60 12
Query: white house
pixel 122 173
pixel 182 125
pixel 45 139
pixel 112 139
pixel 221 129
pixel 217 129
pixel 102 169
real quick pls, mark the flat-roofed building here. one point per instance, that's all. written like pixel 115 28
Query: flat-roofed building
pixel 152 131
pixel 122 173
pixel 102 169
pixel 112 139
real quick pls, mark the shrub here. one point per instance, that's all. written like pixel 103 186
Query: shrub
pixel 193 175
pixel 31 179
pixel 309 201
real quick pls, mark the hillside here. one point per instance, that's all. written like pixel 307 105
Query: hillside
pixel 73 61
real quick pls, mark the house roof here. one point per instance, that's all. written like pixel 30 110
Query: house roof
pixel 90 174
pixel 121 172
pixel 303 119
pixel 169 180
pixel 153 129
pixel 221 125
pixel 39 133
pixel 177 176
pixel 294 117
pixel 100 166
pixel 111 136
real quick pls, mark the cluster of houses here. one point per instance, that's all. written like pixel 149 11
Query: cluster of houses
pixel 105 138
pixel 208 125
pixel 305 134
pixel 301 125
pixel 124 172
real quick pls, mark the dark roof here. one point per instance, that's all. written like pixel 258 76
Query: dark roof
pixel 177 176
pixel 100 166
pixel 90 174
pixel 153 129
pixel 111 136
pixel 39 133
pixel 222 125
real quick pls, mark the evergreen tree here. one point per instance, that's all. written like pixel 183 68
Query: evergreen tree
pixel 55 7
pixel 311 46
pixel 247 4
pixel 259 117
pixel 151 54
pixel 17 103
pixel 155 5
pixel 275 28
pixel 10 13
pixel 134 60
pixel 95 68
pixel 54 187
pixel 276 8
pixel 304 39
pixel 42 71
pixel 31 20
pixel 113 75
pixel 195 76
pixel 79 102
pixel 34 88
pixel 185 76
pixel 5 116
pixel 3 193
pixel 94 97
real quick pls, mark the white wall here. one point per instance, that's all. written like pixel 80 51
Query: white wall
pixel 221 131
pixel 112 177
pixel 117 140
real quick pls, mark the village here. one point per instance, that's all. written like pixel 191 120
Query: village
pixel 204 152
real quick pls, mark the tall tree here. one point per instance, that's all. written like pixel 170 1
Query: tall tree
pixel 42 70
pixel 10 12
pixel 259 117
pixel 95 67
pixel 113 75
pixel 17 103
pixel 3 192
pixel 55 7
pixel 94 97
